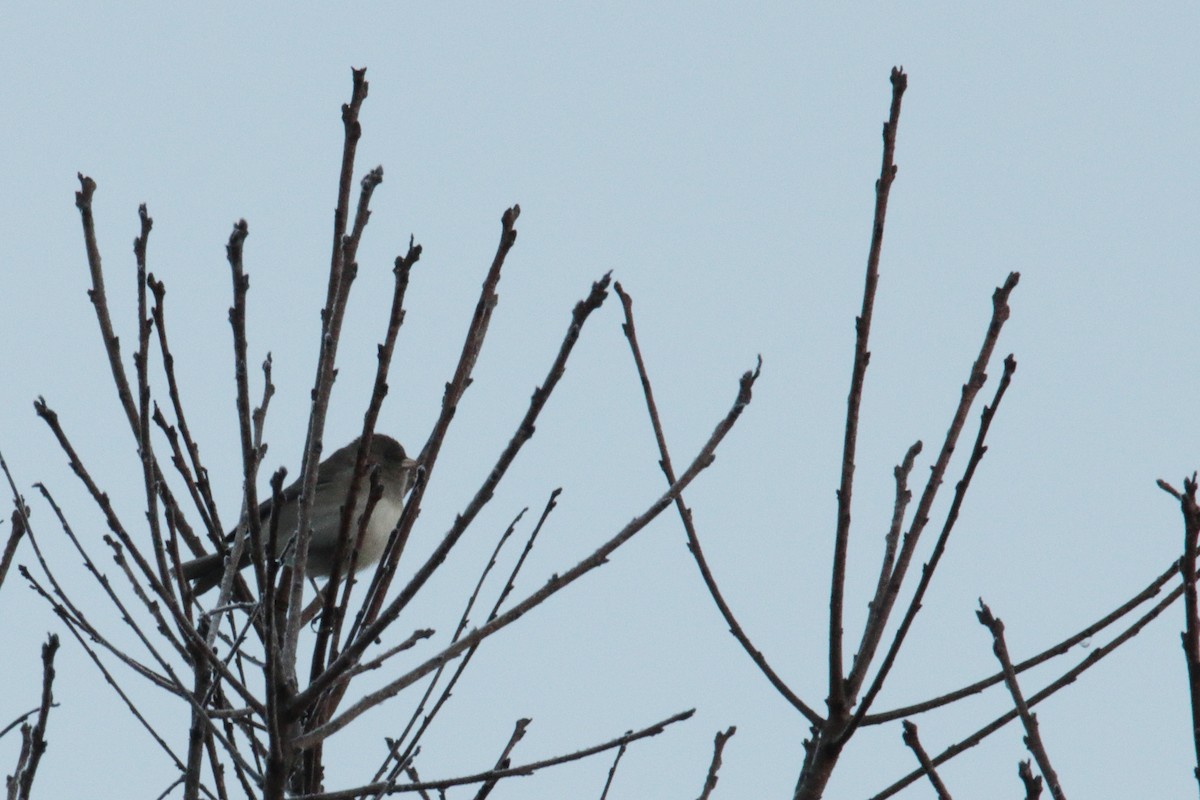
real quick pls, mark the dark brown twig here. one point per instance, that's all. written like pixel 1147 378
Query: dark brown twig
pixel 342 271
pixel 14 539
pixel 74 629
pixel 837 689
pixel 1033 738
pixel 1033 783
pixel 197 475
pixel 410 745
pixel 455 388
pixel 141 362
pixel 35 735
pixel 914 744
pixel 505 759
pixel 714 767
pixel 892 539
pixel 83 201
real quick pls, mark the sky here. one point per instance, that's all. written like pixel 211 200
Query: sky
pixel 720 161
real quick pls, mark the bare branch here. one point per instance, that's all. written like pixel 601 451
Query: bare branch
pixel 32 756
pixel 1033 783
pixel 887 174
pixel 505 759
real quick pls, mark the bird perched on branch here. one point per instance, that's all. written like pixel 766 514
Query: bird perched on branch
pixel 396 472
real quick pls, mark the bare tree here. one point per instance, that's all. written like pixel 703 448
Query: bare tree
pixel 260 716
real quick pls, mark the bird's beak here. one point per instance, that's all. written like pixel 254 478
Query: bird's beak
pixel 409 463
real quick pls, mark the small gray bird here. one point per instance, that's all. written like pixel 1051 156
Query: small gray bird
pixel 333 482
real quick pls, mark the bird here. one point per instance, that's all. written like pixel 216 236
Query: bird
pixel 334 475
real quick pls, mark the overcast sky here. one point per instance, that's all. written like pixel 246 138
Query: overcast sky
pixel 720 160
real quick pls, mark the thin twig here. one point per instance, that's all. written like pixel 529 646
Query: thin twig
pixel 412 744
pixel 37 733
pixel 685 514
pixel 520 770
pixel 342 271
pixel 1191 606
pixel 1033 783
pixel 892 539
pixel 1033 738
pixel 612 771
pixel 205 503
pixel 887 173
pixel 914 744
pixel 714 767
pixel 504 761
pixel 402 269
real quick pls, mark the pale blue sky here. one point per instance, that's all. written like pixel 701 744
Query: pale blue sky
pixel 720 161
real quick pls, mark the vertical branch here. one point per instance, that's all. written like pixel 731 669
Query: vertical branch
pixel 83 201
pixel 474 340
pixel 141 358
pixel 892 539
pixel 35 737
pixel 353 132
pixel 209 507
pixel 342 269
pixel 887 174
pixel 250 455
pixel 612 771
pixel 1191 632
pixel 198 735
